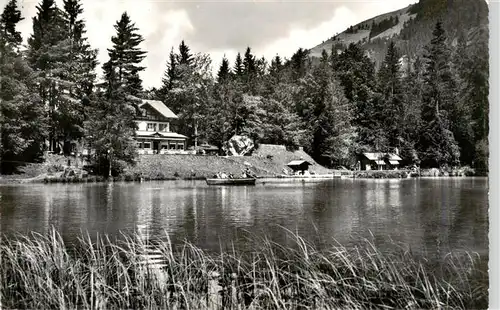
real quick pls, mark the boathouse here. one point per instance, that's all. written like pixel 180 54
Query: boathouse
pixel 155 134
pixel 299 166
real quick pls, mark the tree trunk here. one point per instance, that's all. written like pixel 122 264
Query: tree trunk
pixel 110 161
pixel 195 134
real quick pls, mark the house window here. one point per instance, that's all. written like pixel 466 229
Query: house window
pixel 147 145
pixel 139 145
pixel 151 127
pixel 171 145
pixel 180 146
pixel 163 127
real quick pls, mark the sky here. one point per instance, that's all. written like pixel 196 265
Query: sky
pixel 218 28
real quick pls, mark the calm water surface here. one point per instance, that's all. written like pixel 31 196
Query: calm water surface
pixel 429 215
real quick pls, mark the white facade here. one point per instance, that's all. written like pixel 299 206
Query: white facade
pixel 154 126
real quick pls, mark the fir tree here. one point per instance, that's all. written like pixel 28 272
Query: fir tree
pixel 324 56
pixel 171 74
pixel 224 71
pixel 22 122
pixel 191 95
pixel 276 66
pixel 249 65
pixel 330 137
pixel 357 77
pixel 185 57
pixel 299 63
pixel 411 115
pixel 462 125
pixel 125 58
pixel 112 111
pixel 238 66
pixel 438 146
pixel 9 19
pixel 78 74
pixel 47 52
pixel 389 110
pixel 111 130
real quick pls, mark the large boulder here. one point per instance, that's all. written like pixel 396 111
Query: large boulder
pixel 238 146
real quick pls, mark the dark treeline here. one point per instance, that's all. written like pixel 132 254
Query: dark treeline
pixel 435 110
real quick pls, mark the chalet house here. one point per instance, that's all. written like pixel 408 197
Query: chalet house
pixel 379 161
pixel 155 133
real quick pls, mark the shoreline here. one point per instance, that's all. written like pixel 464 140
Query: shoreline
pixel 260 179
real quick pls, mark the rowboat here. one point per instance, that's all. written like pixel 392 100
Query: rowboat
pixel 238 181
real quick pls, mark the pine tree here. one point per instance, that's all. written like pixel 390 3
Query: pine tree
pixel 111 130
pixel 330 137
pixel 390 108
pixel 220 112
pixel 46 53
pixel 357 77
pixel 224 71
pixel 412 106
pixel 191 95
pixel 125 58
pixel 22 123
pixel 249 65
pixel 299 63
pixel 438 146
pixel 276 66
pixel 170 76
pixel 76 76
pixel 112 111
pixel 470 66
pixel 238 66
pixel 47 32
pixel 82 56
pixel 461 116
pixel 324 56
pixel 185 57
pixel 9 19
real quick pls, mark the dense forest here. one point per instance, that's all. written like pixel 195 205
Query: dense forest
pixel 435 111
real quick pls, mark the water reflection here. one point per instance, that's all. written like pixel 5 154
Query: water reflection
pixel 430 215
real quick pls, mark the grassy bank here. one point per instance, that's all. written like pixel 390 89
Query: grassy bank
pixel 40 272
pixel 268 160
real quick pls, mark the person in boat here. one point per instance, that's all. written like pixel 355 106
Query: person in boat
pixel 231 176
pixel 248 173
pixel 223 175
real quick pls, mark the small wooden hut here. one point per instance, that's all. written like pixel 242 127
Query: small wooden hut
pixel 300 166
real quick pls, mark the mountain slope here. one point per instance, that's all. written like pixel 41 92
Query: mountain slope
pixel 411 28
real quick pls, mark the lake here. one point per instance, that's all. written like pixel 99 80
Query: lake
pixel 431 216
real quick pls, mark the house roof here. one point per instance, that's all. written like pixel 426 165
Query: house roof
pixel 160 107
pixel 298 162
pixel 379 155
pixel 173 135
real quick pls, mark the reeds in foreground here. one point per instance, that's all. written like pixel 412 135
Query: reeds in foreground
pixel 41 272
